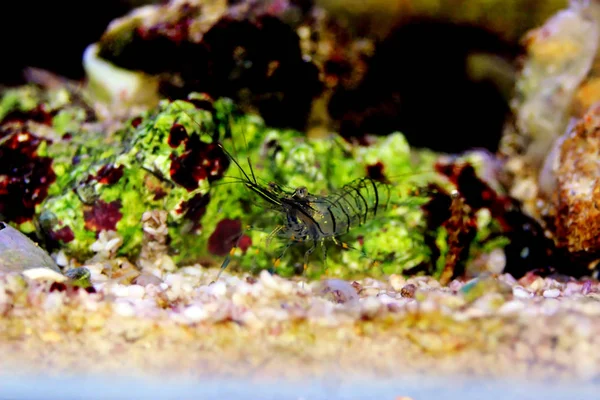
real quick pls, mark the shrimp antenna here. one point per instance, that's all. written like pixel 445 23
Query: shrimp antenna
pixel 227 153
pixel 234 160
pixel 229 127
pixel 230 117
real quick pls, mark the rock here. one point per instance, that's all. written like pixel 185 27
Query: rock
pixel 338 291
pixel 44 274
pixel 560 56
pixel 19 253
pixel 556 80
pixel 408 291
pixel 578 203
pixel 483 285
pixel 79 277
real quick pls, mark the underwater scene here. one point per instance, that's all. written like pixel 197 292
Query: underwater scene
pixel 301 199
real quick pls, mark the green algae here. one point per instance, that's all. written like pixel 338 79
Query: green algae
pixel 119 176
pixel 79 277
pixel 112 192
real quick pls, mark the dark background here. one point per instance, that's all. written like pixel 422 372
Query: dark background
pixel 52 34
pixel 421 64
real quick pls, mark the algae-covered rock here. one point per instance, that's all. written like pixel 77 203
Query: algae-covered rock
pixel 169 160
pixel 248 51
pixel 79 277
pixel 43 134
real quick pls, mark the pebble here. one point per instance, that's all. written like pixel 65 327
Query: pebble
pixel 277 285
pixel 397 282
pixel 44 274
pixel 537 284
pixel 218 289
pixel 496 261
pixel 370 292
pixel 137 291
pixel 522 293
pixel 370 307
pixel 120 290
pixel 61 259
pixel 195 270
pixel 195 313
pixel 146 279
pixel 19 253
pixel 337 291
pixel 551 293
pixel 511 307
pixel 270 298
pixel 408 291
pixel 124 309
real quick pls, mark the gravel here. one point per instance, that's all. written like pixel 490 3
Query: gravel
pixel 179 324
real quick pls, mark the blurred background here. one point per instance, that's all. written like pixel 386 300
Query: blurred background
pixel 442 71
pixel 53 34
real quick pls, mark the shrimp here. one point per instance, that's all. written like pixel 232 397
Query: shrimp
pixel 308 218
pixel 315 219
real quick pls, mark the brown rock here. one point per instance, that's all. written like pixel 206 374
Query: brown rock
pixel 578 203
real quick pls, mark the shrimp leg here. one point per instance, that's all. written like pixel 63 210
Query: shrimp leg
pixel 308 253
pixel 346 246
pixel 324 254
pixel 277 261
pixel 227 259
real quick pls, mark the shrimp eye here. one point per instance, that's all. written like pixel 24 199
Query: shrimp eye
pixel 301 192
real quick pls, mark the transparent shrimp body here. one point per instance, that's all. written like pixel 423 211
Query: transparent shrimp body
pixel 322 197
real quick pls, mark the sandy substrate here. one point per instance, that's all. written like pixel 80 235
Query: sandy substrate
pixel 268 327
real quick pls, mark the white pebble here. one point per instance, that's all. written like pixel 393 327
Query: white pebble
pixel 97 268
pixel 550 306
pixel 124 309
pixel 387 300
pixel 167 264
pixel 54 301
pixel 173 280
pixel 120 290
pixel 370 306
pixel 137 291
pixel 522 293
pixel 471 313
pixel 113 244
pixel 44 274
pixel 397 282
pixel 551 293
pixel 267 280
pixel 195 313
pixel 61 259
pixel 192 271
pixel 511 307
pixel 496 261
pixel 537 284
pixel 218 289
pixel 277 285
pixel 455 285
